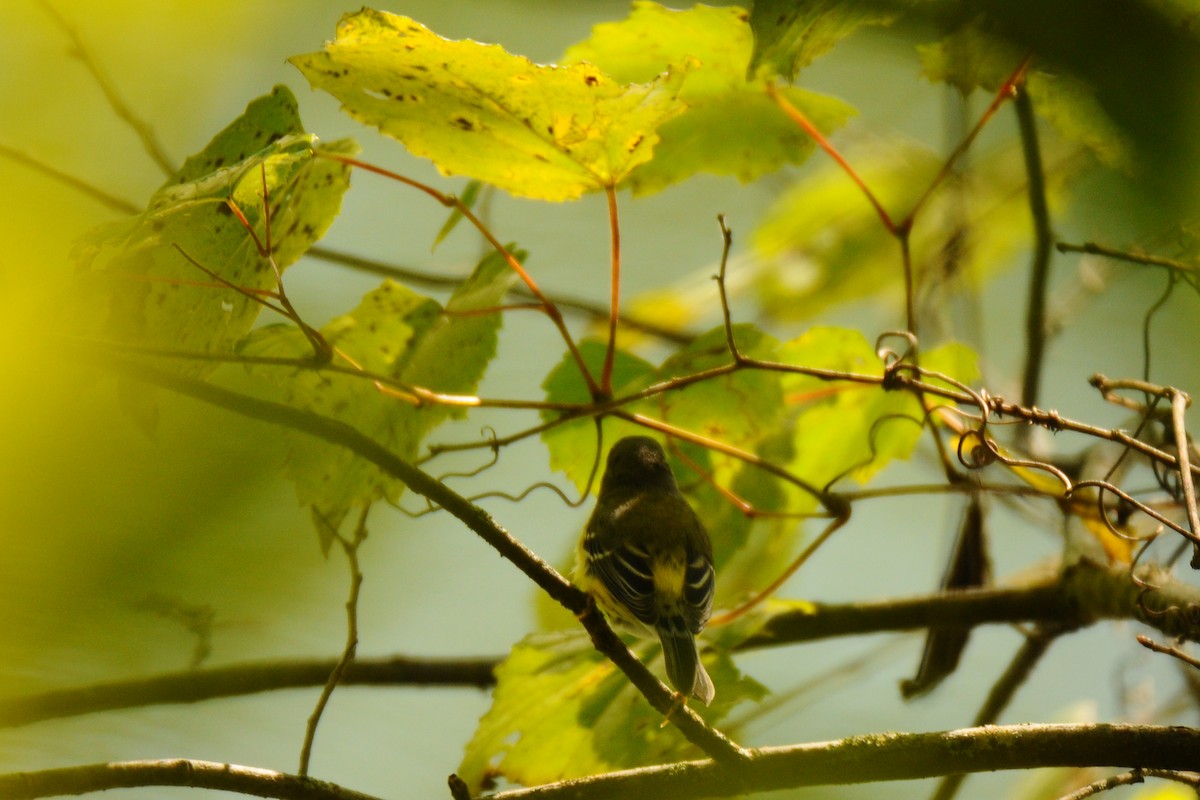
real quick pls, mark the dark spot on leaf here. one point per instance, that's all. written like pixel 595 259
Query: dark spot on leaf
pixel 218 161
pixel 464 123
pixel 540 157
pixel 224 210
pixel 420 68
pixel 275 137
pixel 591 80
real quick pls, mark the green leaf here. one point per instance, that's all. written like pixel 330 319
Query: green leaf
pixel 545 132
pixel 739 408
pixel 394 333
pixel 453 355
pixel 377 336
pixel 468 198
pixel 822 244
pixel 970 59
pixel 158 296
pixel 731 126
pixel 790 35
pixel 561 710
pixel 850 429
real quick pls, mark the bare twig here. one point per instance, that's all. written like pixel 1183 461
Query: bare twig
pixel 1133 776
pixel 112 201
pixel 610 352
pixel 1179 404
pixel 1174 652
pixel 126 114
pixel 350 548
pixel 438 280
pixel 1035 313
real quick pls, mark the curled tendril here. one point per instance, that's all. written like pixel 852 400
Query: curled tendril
pixel 875 426
pixel 890 358
pixel 982 454
pixel 1140 506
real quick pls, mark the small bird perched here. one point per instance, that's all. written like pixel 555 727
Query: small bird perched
pixel 647 560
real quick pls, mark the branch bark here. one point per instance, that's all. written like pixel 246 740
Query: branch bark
pixel 859 759
pixel 1082 594
pixel 193 686
pixel 892 757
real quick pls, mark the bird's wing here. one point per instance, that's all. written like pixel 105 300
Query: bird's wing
pixel 626 572
pixel 699 584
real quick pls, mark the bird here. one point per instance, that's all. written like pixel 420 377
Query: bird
pixel 646 559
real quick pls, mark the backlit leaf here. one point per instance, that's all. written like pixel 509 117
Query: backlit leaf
pixel 545 132
pixel 970 59
pixel 731 126
pixel 789 35
pixel 397 334
pixel 158 296
pixel 561 710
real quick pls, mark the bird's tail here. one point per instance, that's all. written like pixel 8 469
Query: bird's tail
pixel 684 669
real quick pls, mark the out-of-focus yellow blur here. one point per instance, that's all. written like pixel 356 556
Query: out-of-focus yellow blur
pixel 105 532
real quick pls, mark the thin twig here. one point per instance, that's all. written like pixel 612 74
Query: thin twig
pixel 610 352
pixel 442 281
pixel 1035 314
pixel 450 201
pixel 350 548
pixel 126 114
pixel 1133 776
pixel 815 134
pixel 112 201
pixel 1179 404
pixel 1174 652
pixel 1092 248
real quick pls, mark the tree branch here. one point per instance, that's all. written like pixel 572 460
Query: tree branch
pixel 857 759
pixel 1035 314
pixel 171 772
pixel 892 757
pixel 1082 594
pixel 192 686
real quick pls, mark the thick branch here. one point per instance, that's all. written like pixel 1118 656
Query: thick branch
pixel 1082 594
pixel 858 759
pixel 893 757
pixel 171 772
pixel 192 686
